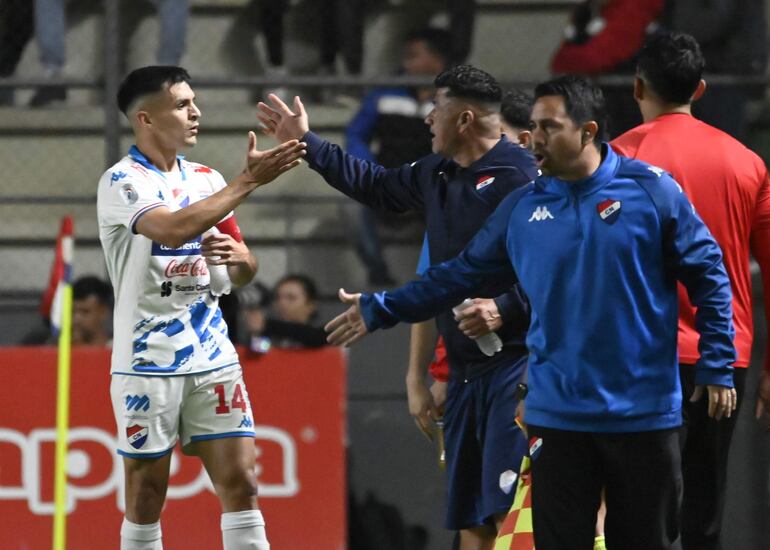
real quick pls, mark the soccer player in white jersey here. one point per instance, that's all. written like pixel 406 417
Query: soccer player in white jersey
pixel 172 245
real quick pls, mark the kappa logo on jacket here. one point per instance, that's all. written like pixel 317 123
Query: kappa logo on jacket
pixel 540 214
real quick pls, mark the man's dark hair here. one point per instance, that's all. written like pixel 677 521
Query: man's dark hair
pixel 90 285
pixel 148 80
pixel 583 100
pixel 471 83
pixel 438 41
pixel 516 108
pixel 307 284
pixel 672 64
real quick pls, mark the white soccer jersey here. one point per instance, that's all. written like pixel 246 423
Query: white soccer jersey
pixel 166 321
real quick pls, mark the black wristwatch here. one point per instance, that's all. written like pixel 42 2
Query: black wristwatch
pixel 521 391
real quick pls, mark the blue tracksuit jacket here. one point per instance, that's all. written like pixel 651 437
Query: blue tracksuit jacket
pixel 456 202
pixel 599 260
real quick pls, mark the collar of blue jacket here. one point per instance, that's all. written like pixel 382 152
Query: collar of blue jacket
pixel 581 188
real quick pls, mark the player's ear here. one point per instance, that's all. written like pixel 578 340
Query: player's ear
pixel 699 91
pixel 465 120
pixel 588 132
pixel 142 119
pixel 525 139
pixel 638 88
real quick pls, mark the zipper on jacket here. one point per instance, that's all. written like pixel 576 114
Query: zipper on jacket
pixel 576 204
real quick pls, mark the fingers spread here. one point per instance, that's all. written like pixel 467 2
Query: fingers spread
pixel 280 105
pixel 268 111
pixel 357 335
pixel 337 322
pixel 339 336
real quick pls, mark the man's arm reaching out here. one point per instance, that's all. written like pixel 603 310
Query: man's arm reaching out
pixel 173 229
pixel 482 264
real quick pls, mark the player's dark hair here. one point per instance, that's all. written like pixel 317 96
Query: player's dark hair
pixel 148 80
pixel 516 108
pixel 308 285
pixel 90 285
pixel 672 65
pixel 583 100
pixel 438 41
pixel 468 82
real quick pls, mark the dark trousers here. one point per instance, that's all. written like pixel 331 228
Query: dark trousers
pixel 643 486
pixel 705 447
pixel 16 24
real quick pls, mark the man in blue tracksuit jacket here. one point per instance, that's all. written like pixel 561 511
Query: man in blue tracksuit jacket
pixel 597 244
pixel 457 188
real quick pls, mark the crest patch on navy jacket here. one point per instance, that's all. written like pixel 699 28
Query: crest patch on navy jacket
pixel 483 181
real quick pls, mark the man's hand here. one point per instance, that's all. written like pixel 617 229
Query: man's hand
pixel 421 406
pixel 222 249
pixel 763 397
pixel 281 121
pixel 264 166
pixel 479 319
pixel 439 392
pixel 722 400
pixel 347 328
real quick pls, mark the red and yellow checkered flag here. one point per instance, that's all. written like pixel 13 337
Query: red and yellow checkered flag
pixel 516 531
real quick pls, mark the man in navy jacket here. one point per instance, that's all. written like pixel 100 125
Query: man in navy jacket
pixel 597 244
pixel 457 189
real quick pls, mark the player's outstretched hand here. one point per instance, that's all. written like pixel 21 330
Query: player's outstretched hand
pixel 722 400
pixel 763 397
pixel 264 166
pixel 480 318
pixel 281 121
pixel 347 328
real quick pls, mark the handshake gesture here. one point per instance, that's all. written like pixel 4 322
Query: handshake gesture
pixel 264 166
pixel 285 125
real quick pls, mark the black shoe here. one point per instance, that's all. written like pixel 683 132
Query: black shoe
pixel 46 95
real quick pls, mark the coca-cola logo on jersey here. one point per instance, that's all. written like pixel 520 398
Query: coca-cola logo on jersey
pixel 195 268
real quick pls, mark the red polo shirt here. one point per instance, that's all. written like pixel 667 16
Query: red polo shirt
pixel 728 185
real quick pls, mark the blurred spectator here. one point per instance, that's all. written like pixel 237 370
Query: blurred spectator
pixel 342 32
pixel 390 130
pixel 91 312
pixel 294 311
pixel 50 32
pixel 603 38
pixel 16 25
pixel 268 16
pixel 515 109
pixel 92 300
pixel 462 18
pixel 733 38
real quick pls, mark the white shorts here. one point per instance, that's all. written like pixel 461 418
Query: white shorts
pixel 152 412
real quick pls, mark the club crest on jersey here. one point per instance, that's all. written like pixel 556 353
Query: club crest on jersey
pixel 484 181
pixel 609 210
pixel 129 194
pixel 137 435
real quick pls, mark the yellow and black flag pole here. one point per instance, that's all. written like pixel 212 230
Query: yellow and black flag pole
pixel 61 321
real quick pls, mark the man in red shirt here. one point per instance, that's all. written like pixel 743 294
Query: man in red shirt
pixel 728 186
pixel 602 38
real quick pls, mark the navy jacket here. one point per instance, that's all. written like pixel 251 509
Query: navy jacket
pixel 456 203
pixel 599 260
